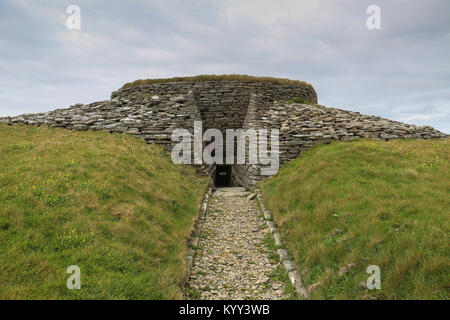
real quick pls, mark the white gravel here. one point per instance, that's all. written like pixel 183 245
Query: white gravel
pixel 231 260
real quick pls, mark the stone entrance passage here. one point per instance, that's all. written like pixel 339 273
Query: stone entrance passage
pixel 223 176
pixel 233 259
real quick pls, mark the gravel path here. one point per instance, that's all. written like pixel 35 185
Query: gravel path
pixel 232 261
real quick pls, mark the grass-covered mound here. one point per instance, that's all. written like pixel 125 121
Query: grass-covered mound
pixel 110 204
pixel 212 77
pixel 368 203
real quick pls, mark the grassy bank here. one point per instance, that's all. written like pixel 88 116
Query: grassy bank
pixel 345 206
pixel 111 204
pixel 212 77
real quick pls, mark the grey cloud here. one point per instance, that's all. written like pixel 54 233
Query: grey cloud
pixel 401 71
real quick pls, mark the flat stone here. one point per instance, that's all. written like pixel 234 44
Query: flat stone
pixel 277 238
pixel 251 197
pixel 270 224
pixel 283 254
pixel 193 242
pixel 297 282
pixel 289 265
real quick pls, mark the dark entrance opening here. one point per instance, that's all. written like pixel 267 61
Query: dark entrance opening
pixel 223 176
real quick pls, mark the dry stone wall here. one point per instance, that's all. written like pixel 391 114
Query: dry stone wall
pixel 303 125
pixel 222 104
pixel 151 117
pixel 153 111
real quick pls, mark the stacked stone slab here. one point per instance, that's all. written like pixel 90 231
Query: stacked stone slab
pixel 222 104
pixel 151 117
pixel 153 111
pixel 303 125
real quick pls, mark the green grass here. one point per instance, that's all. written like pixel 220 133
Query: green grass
pixel 369 203
pixel 111 204
pixel 299 100
pixel 279 274
pixel 211 77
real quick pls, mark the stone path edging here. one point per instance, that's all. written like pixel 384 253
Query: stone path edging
pixel 288 263
pixel 193 239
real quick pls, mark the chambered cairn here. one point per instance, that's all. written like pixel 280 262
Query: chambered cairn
pixel 152 110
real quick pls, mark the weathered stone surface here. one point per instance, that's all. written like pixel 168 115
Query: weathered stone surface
pixel 271 226
pixel 283 254
pixel 277 238
pixel 297 282
pixel 303 125
pixel 251 197
pixel 232 260
pixel 289 265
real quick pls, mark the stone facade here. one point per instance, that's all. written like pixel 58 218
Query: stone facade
pixel 154 111
pixel 222 105
pixel 303 125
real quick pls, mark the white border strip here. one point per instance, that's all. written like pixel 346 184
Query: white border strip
pixel 289 264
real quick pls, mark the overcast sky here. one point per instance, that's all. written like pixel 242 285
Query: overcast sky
pixel 401 71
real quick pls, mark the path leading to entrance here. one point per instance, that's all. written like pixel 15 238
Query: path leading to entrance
pixel 232 260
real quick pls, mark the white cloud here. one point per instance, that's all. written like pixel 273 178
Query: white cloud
pixel 424 117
